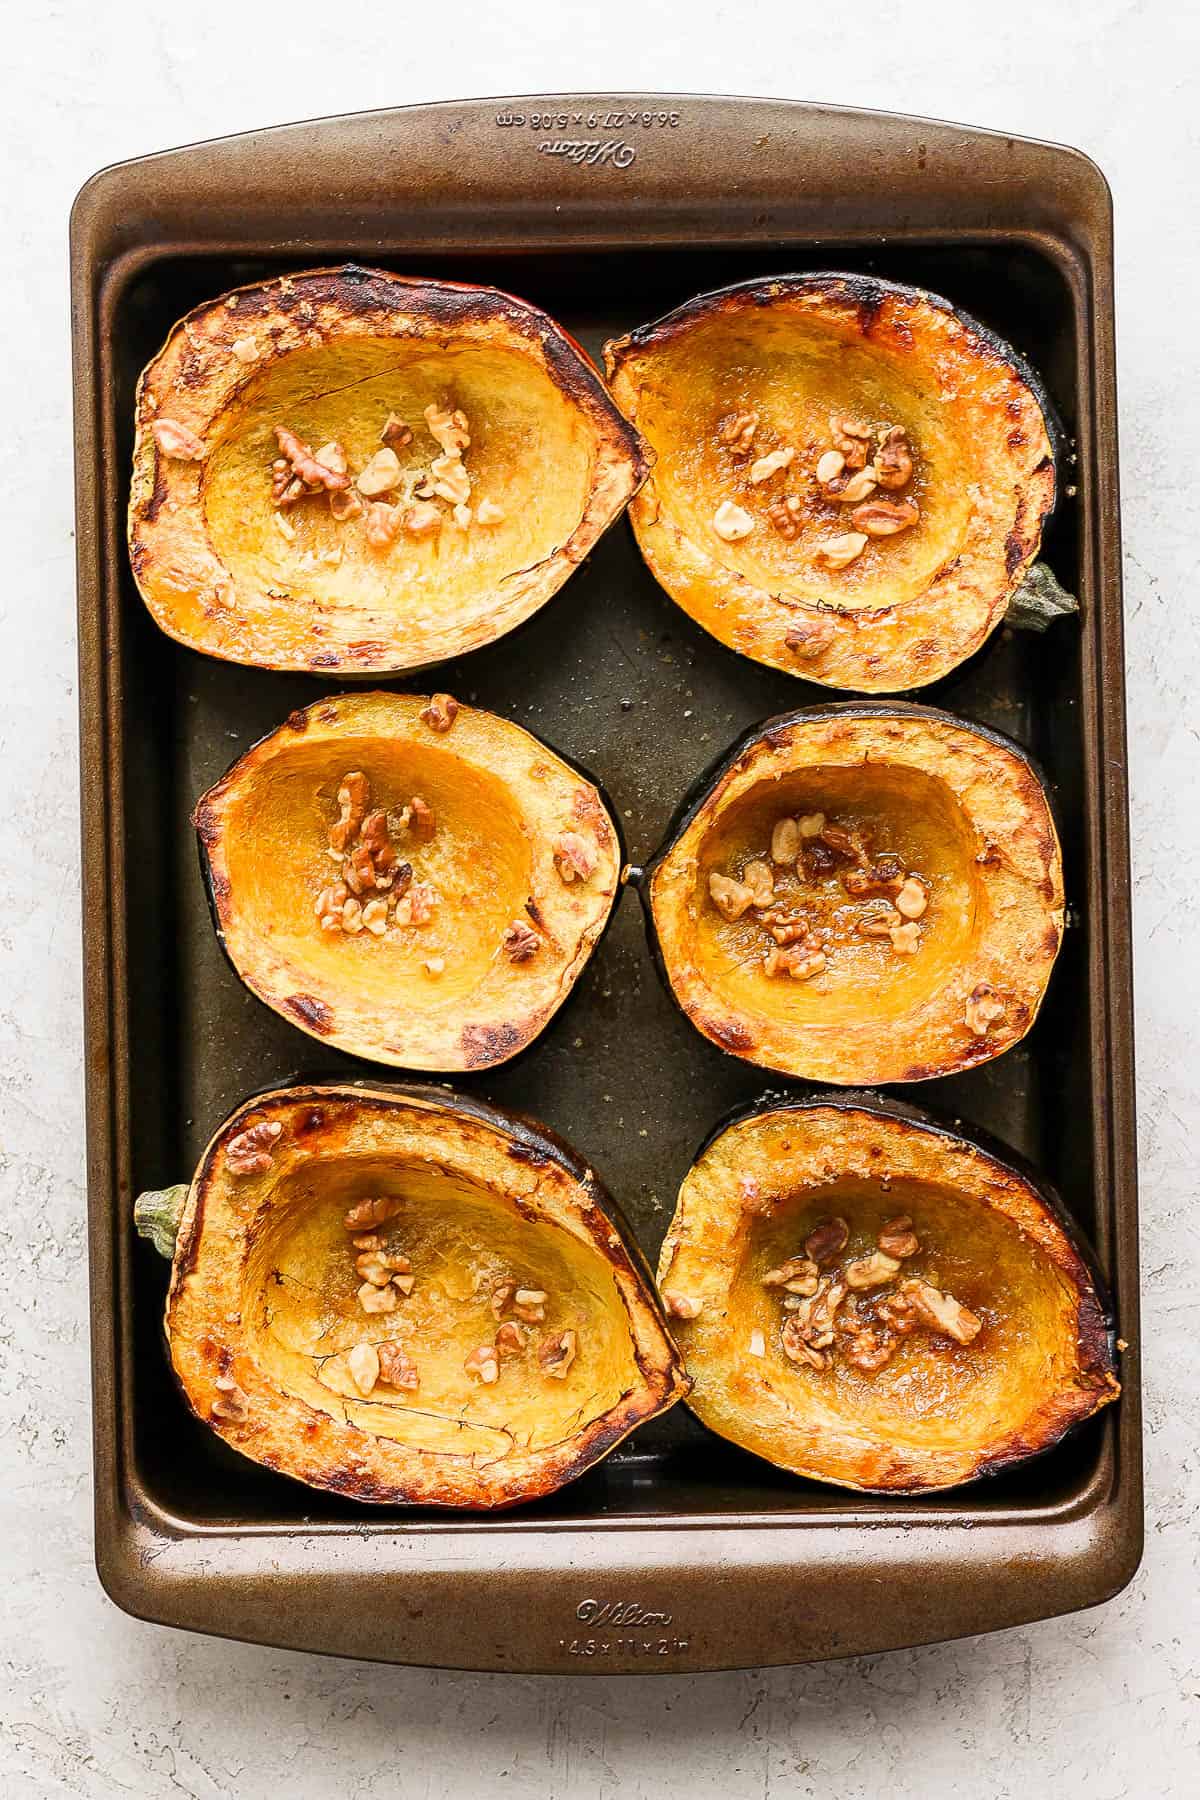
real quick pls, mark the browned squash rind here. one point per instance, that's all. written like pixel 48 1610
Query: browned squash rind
pixel 245 1345
pixel 990 854
pixel 314 352
pixel 910 607
pixel 500 801
pixel 938 1414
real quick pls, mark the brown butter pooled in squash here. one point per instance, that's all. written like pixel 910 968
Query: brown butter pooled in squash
pixel 822 885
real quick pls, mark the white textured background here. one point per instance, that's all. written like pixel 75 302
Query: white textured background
pixel 92 1703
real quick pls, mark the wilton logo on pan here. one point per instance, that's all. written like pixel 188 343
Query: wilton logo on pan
pixel 590 150
pixel 618 1614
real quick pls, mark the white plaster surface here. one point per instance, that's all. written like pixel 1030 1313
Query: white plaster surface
pixel 93 1703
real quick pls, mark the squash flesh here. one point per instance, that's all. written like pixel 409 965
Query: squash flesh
pixel 939 1413
pixel 300 1286
pixel 794 380
pixel 915 818
pixel 444 993
pixel 478 859
pixel 967 814
pixel 345 393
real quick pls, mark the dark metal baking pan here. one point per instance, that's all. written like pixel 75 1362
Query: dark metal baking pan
pixel 679 1552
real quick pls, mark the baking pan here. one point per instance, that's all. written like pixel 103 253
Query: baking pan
pixel 680 1552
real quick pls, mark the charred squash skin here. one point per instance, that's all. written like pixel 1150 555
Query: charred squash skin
pixel 330 354
pixel 500 799
pixel 795 349
pixel 990 857
pixel 262 1299
pixel 939 1414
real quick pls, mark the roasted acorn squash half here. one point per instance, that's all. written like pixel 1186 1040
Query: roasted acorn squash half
pixel 872 1300
pixel 851 476
pixel 416 882
pixel 352 471
pixel 860 893
pixel 408 1297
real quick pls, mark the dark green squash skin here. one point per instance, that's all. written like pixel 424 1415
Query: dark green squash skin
pixel 1101 1337
pixel 571 762
pixel 698 793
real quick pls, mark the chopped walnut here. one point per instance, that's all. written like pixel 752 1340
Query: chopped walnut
pixel 344 504
pixel 510 1340
pixel 372 1212
pixel 732 522
pixel 381 475
pixel 383 524
pixel 897 1237
pixel 826 1239
pixel 737 432
pixel 245 349
pixel 422 519
pixel 896 1313
pixel 983 1009
pixel 449 428
pixel 799 962
pixel 851 490
pixel 837 552
pixel 250 1151
pixel 941 1312
pixel 520 942
pixel 312 474
pixel 865 1348
pixel 379 1266
pixel 880 924
pixel 439 712
pixel 808 638
pixel 375 917
pixel 785 842
pixel 232 1402
pixel 830 467
pixel 488 513
pixel 421 819
pixel 484 1364
pixel 501 1298
pixel 529 1305
pixel 870 1271
pixel 557 1354
pixel 574 857
pixel 351 921
pixel 353 794
pixel 760 879
pixel 397 1369
pixel 395 434
pixel 912 899
pixel 798 1275
pixel 893 459
pixel 450 479
pixel 177 442
pixel 766 466
pixel 731 898
pixel 906 938
pixel 462 517
pixel 418 906
pixel 369 1240
pixel 363 1364
pixel 808 1331
pixel 884 518
pixel 681 1306
pixel 757 1345
pixel 784 515
pixel 434 966
pixel 374 1299
pixel 851 439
